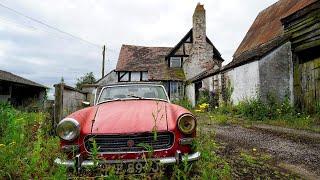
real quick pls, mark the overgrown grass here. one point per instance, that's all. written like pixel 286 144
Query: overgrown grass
pixel 271 111
pixel 26 149
pixel 27 152
pixel 211 165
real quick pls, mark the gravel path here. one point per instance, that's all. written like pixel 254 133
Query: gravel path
pixel 304 154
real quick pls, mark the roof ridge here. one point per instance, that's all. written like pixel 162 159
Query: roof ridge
pixel 24 79
pixel 145 46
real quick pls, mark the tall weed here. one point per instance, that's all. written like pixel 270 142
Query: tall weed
pixel 26 149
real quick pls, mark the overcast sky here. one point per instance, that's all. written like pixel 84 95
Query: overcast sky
pixel 41 54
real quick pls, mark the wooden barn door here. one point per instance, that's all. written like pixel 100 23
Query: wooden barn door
pixel 310 84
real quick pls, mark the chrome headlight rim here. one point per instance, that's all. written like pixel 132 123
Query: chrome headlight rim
pixel 194 126
pixel 76 128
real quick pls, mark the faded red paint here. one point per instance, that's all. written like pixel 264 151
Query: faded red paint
pixel 127 117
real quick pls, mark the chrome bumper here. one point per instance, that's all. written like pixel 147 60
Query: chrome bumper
pixel 78 163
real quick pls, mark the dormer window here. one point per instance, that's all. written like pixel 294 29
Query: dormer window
pixel 175 62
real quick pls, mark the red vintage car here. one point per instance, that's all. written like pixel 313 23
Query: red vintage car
pixel 124 120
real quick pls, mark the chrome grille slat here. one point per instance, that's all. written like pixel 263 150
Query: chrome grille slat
pixel 119 143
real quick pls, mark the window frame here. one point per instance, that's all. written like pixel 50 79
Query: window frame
pixel 175 58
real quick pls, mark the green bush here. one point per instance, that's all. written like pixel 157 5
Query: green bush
pixel 184 102
pixel 204 96
pixel 26 149
pixel 253 109
pixel 257 109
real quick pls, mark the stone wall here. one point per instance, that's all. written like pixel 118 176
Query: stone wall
pixel 270 75
pixel 276 73
pixel 244 80
pixel 201 52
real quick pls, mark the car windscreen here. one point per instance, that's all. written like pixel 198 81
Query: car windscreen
pixel 133 91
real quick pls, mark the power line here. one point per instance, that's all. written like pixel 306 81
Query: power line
pixel 7 21
pixel 49 26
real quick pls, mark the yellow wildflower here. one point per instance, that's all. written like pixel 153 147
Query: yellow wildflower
pixel 2 145
pixel 12 143
pixel 198 110
pixel 254 149
pixel 204 105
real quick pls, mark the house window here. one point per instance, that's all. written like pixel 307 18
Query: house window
pixel 144 76
pixel 135 76
pixel 123 76
pixel 176 90
pixel 175 62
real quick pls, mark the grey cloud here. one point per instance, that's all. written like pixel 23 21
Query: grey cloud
pixel 43 55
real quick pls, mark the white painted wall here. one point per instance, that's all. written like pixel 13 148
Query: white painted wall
pixel 190 93
pixel 245 81
pixel 110 78
pixel 207 83
pixel 276 73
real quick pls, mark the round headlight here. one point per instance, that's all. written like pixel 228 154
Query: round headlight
pixel 187 124
pixel 68 129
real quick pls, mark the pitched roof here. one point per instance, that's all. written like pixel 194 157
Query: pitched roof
pixel 7 76
pixel 205 74
pixel 267 30
pixel 189 34
pixel 139 58
pixel 151 59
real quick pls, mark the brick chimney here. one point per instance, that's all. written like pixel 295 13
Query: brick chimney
pixel 199 27
pixel 198 61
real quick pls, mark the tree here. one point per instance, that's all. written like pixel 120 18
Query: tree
pixel 88 78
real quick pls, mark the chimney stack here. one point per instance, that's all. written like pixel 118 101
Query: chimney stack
pixel 199 26
pixel 198 60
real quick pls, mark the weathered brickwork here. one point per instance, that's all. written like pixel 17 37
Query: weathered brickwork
pixel 201 52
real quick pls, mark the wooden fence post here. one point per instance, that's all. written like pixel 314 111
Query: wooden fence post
pixel 58 103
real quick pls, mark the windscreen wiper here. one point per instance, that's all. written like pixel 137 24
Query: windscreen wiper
pixel 134 96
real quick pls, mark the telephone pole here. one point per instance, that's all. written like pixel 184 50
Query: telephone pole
pixel 103 59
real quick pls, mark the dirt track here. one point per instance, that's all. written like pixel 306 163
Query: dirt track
pixel 303 155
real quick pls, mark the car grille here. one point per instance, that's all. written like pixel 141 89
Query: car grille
pixel 129 143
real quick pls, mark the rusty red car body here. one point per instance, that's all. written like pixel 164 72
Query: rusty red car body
pixel 132 119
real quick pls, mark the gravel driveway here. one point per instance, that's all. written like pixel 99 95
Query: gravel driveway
pixel 305 154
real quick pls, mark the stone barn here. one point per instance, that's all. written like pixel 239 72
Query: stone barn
pixel 19 91
pixel 279 56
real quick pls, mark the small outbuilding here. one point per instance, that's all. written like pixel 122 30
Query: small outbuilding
pixel 19 91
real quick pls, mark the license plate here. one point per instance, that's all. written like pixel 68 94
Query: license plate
pixel 133 167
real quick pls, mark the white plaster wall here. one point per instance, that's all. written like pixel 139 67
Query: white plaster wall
pixel 245 81
pixel 190 93
pixel 110 78
pixel 276 73
pixel 207 83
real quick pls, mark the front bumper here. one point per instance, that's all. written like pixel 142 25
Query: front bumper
pixel 78 163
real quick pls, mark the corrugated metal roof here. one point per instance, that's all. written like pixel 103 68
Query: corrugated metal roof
pixel 7 76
